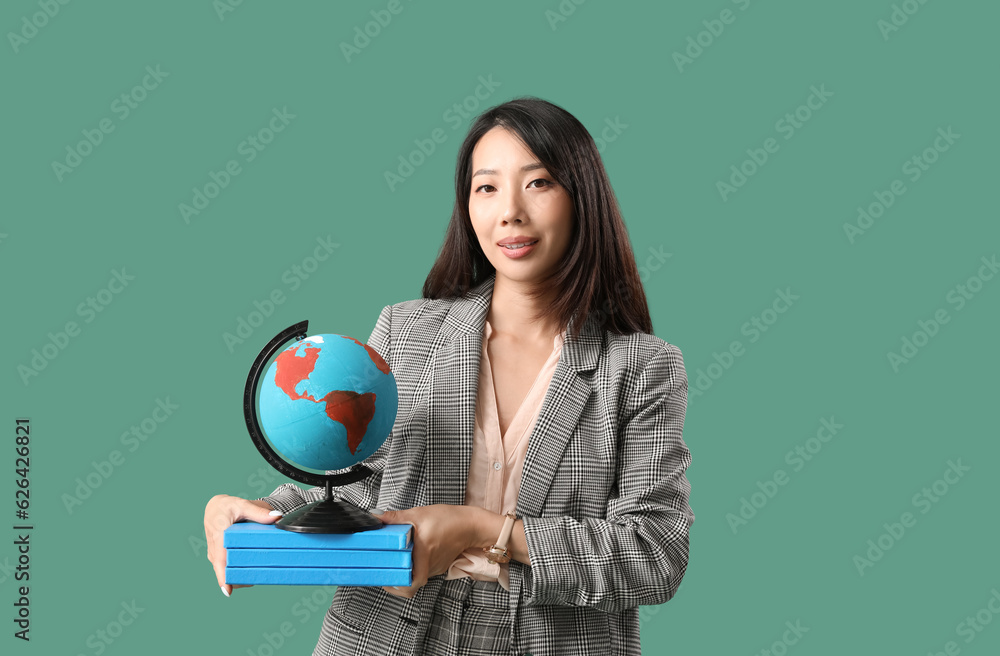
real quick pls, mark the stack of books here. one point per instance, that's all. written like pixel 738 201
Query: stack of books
pixel 262 554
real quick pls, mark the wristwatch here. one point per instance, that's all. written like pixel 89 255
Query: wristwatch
pixel 498 553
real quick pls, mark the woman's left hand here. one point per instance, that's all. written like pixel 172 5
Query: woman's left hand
pixel 440 533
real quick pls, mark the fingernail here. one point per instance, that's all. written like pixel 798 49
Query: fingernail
pixel 275 513
pixel 377 511
pixel 224 591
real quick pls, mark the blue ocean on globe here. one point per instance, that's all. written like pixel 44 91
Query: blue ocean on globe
pixel 327 402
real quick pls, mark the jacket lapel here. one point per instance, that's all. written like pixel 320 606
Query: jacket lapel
pixel 452 406
pixel 568 392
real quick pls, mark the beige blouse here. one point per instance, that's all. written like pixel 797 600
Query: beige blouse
pixel 495 468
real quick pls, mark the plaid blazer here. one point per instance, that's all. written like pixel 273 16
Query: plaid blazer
pixel 603 497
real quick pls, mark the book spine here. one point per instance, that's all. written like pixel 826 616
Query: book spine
pixel 278 539
pixel 318 558
pixel 318 576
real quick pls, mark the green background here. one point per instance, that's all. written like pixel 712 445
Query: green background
pixel 138 536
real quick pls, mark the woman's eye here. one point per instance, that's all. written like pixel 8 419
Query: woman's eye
pixel 547 184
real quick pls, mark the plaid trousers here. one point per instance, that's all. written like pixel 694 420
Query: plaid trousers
pixel 469 618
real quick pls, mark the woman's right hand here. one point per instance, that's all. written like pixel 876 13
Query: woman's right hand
pixel 222 512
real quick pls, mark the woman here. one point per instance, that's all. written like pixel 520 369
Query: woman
pixel 529 383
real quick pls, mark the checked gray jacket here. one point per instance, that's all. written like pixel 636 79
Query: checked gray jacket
pixel 603 497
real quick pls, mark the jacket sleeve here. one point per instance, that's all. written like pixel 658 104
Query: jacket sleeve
pixel 637 554
pixel 364 493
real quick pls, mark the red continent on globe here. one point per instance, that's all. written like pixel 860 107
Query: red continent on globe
pixel 354 411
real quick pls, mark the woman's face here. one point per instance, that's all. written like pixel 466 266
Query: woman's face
pixel 513 196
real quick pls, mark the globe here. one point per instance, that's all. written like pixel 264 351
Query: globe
pixel 327 402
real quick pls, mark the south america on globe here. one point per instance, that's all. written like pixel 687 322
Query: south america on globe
pixel 327 402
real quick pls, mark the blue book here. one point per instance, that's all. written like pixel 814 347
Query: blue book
pixel 251 535
pixel 318 576
pixel 319 558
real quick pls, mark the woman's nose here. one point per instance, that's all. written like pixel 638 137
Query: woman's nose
pixel 513 211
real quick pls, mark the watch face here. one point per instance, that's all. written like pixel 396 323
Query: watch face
pixel 497 555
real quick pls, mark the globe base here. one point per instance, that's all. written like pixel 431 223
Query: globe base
pixel 329 516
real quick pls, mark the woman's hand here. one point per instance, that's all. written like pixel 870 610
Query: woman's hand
pixel 222 512
pixel 440 533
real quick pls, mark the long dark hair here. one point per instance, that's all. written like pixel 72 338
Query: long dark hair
pixel 600 278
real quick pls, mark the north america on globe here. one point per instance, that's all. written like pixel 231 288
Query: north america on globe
pixel 352 410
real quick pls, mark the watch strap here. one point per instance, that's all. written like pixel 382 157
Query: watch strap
pixel 508 526
pixel 499 553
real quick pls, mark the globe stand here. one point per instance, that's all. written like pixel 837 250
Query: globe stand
pixel 328 515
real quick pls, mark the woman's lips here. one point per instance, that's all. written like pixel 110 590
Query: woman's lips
pixel 517 253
